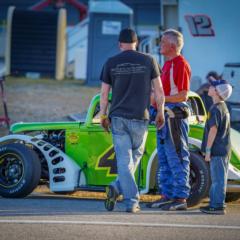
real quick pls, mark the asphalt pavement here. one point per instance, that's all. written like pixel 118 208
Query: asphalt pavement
pixel 45 216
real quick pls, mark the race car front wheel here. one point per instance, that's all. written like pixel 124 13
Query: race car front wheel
pixel 20 170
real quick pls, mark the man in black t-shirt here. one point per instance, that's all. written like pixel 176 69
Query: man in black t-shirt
pixel 131 76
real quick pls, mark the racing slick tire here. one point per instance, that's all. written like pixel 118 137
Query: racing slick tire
pixel 232 196
pixel 199 179
pixel 20 170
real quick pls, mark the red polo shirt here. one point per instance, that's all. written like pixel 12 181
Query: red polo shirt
pixel 181 75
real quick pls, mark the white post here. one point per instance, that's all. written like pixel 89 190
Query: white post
pixel 61 44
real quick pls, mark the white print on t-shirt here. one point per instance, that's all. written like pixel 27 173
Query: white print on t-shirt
pixel 128 68
pixel 173 87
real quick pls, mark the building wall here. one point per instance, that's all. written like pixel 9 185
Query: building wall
pixel 213 51
pixel 145 12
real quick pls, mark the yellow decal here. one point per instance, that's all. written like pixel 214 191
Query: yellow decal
pixel 73 138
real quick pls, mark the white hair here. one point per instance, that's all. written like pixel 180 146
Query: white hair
pixel 175 37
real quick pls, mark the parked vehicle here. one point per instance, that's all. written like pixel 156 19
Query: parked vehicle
pixel 80 156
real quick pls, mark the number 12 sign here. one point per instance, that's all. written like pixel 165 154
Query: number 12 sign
pixel 200 25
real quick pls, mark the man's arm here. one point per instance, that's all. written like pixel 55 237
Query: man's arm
pixel 211 137
pixel 160 99
pixel 180 97
pixel 105 89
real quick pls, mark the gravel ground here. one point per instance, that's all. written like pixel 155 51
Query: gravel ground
pixel 45 100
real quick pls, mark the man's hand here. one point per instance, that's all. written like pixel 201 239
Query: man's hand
pixel 105 123
pixel 182 96
pixel 159 120
pixel 208 157
pixel 159 97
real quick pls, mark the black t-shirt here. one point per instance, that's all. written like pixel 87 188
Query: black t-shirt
pixel 130 74
pixel 218 116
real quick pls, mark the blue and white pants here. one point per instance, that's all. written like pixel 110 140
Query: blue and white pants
pixel 174 164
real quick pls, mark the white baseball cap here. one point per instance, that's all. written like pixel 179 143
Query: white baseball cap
pixel 223 88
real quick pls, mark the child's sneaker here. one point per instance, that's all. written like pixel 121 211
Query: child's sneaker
pixel 175 206
pixel 212 210
pixel 159 203
pixel 112 196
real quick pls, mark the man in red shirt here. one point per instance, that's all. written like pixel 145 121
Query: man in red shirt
pixel 172 139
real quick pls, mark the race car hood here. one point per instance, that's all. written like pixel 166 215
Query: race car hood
pixel 39 126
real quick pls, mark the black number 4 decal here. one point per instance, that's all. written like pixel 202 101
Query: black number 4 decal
pixel 200 25
pixel 108 161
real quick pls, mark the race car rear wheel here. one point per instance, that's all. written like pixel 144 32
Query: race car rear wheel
pixel 232 196
pixel 20 170
pixel 199 179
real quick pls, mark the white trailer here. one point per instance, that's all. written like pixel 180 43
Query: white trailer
pixel 212 37
pixel 210 29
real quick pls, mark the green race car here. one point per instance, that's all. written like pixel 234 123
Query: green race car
pixel 80 156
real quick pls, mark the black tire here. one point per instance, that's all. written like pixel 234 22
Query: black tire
pixel 232 196
pixel 20 170
pixel 199 179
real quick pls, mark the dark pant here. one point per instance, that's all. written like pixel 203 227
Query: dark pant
pixel 219 170
pixel 174 161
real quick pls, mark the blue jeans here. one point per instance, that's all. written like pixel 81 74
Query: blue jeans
pixel 219 170
pixel 174 168
pixel 129 137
